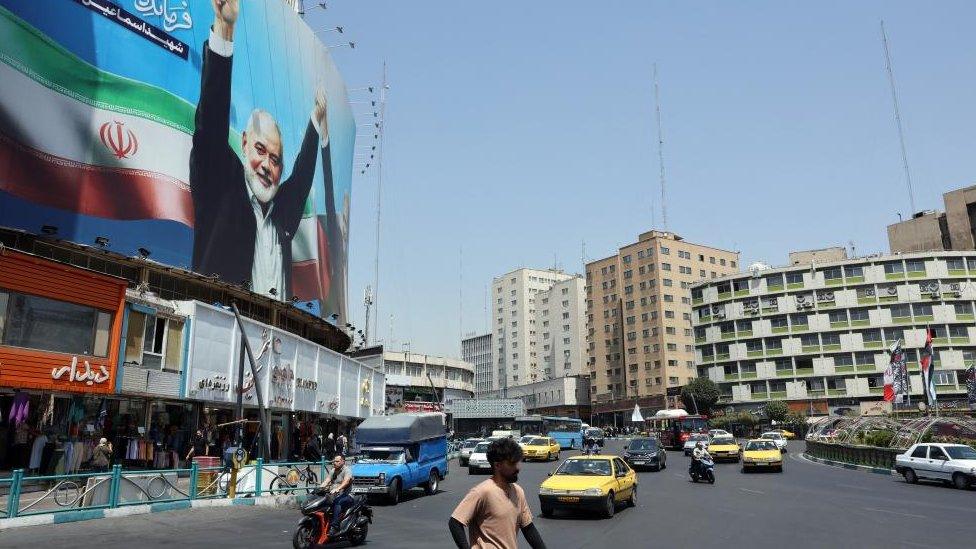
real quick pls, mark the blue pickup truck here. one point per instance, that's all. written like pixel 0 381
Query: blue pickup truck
pixel 400 452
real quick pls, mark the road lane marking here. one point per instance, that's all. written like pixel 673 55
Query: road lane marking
pixel 752 491
pixel 894 512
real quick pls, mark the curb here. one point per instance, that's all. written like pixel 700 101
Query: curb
pixel 132 510
pixel 865 468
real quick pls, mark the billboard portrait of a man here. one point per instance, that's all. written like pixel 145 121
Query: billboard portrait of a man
pixel 246 216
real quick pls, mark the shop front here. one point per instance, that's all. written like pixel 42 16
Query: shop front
pixel 307 390
pixel 60 330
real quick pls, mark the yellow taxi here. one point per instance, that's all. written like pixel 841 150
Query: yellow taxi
pixel 541 448
pixel 790 435
pixel 762 454
pixel 724 448
pixel 589 482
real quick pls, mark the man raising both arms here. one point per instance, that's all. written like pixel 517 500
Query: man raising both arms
pixel 495 510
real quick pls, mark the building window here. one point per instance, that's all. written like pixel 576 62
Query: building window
pixel 35 322
pixel 894 267
pixel 665 251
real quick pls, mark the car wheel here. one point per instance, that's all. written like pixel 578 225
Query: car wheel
pixel 609 506
pixel 632 500
pixel 394 496
pixel 910 476
pixel 462 462
pixel 744 469
pixel 960 481
pixel 432 482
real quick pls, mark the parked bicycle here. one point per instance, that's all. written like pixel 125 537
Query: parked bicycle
pixel 295 480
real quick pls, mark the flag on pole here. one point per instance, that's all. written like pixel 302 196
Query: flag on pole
pixel 971 384
pixel 928 369
pixel 899 371
pixel 889 381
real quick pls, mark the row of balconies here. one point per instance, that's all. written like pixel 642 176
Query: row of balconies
pixel 814 279
pixel 831 300
pixel 827 366
pixel 849 342
pixel 853 387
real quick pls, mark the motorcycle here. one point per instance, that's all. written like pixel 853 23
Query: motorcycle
pixel 313 530
pixel 590 448
pixel 704 471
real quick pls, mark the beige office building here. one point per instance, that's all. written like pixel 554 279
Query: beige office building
pixel 638 306
pixel 931 230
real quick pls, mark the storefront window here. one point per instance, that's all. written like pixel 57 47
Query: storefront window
pixel 45 324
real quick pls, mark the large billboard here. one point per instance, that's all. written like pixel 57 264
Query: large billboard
pixel 216 135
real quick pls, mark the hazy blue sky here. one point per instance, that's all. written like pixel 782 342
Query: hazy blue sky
pixel 516 130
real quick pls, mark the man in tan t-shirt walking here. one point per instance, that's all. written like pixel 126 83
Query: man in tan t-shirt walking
pixel 495 510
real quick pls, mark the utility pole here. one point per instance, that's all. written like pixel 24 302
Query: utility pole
pixel 379 201
pixel 368 301
pixel 660 149
pixel 901 133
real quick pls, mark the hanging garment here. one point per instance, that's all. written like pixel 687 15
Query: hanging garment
pixel 19 409
pixel 77 411
pixel 36 450
pixel 48 416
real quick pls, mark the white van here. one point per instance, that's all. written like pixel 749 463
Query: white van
pixel 514 433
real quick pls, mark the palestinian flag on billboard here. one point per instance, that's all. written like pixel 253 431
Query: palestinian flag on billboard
pixel 928 369
pixel 900 385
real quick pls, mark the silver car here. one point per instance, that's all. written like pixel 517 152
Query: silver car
pixel 955 463
pixel 466 448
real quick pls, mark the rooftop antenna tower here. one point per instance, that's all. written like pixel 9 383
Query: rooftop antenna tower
pixel 379 196
pixel 901 132
pixel 660 150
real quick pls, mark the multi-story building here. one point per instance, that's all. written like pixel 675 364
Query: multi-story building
pixel 539 326
pixel 567 396
pixel 817 335
pixel 639 320
pixel 930 230
pixel 476 349
pixel 413 377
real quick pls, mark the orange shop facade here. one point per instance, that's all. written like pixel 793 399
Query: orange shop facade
pixel 60 328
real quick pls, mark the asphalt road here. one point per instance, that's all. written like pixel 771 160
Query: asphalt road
pixel 808 505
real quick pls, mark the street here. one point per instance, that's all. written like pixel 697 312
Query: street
pixel 809 505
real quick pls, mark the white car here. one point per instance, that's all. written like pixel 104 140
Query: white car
pixel 955 463
pixel 478 461
pixel 715 433
pixel 466 448
pixel 693 440
pixel 778 438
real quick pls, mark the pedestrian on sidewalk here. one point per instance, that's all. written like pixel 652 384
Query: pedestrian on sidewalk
pixel 495 510
pixel 102 456
pixel 330 447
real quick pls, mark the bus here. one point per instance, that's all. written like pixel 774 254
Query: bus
pixel 530 425
pixel 673 427
pixel 567 431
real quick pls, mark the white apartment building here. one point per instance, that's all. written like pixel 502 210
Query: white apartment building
pixel 539 323
pixel 476 349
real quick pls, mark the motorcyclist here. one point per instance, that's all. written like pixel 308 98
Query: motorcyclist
pixel 699 454
pixel 338 483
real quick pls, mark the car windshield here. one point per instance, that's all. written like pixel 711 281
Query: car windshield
pixel 696 438
pixel 772 436
pixel 470 443
pixel 526 439
pixel 960 452
pixel 723 440
pixel 585 467
pixel 643 444
pixel 594 432
pixel 537 441
pixel 482 447
pixel 760 445
pixel 370 455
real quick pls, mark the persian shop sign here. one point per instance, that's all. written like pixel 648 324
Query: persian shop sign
pixel 76 374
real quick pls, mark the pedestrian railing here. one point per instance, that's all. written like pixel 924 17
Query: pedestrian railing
pixel 869 456
pixel 33 495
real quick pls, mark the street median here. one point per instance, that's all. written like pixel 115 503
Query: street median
pixel 850 456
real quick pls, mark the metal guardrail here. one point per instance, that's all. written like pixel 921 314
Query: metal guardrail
pixel 869 456
pixel 117 488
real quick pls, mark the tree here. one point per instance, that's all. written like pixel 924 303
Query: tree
pixel 777 410
pixel 702 392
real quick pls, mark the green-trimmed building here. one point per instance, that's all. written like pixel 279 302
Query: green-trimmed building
pixel 817 335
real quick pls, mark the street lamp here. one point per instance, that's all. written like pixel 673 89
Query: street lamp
pixel 350 45
pixel 333 29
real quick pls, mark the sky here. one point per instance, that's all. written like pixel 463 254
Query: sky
pixel 517 131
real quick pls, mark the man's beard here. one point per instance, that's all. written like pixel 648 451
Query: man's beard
pixel 254 182
pixel 512 478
